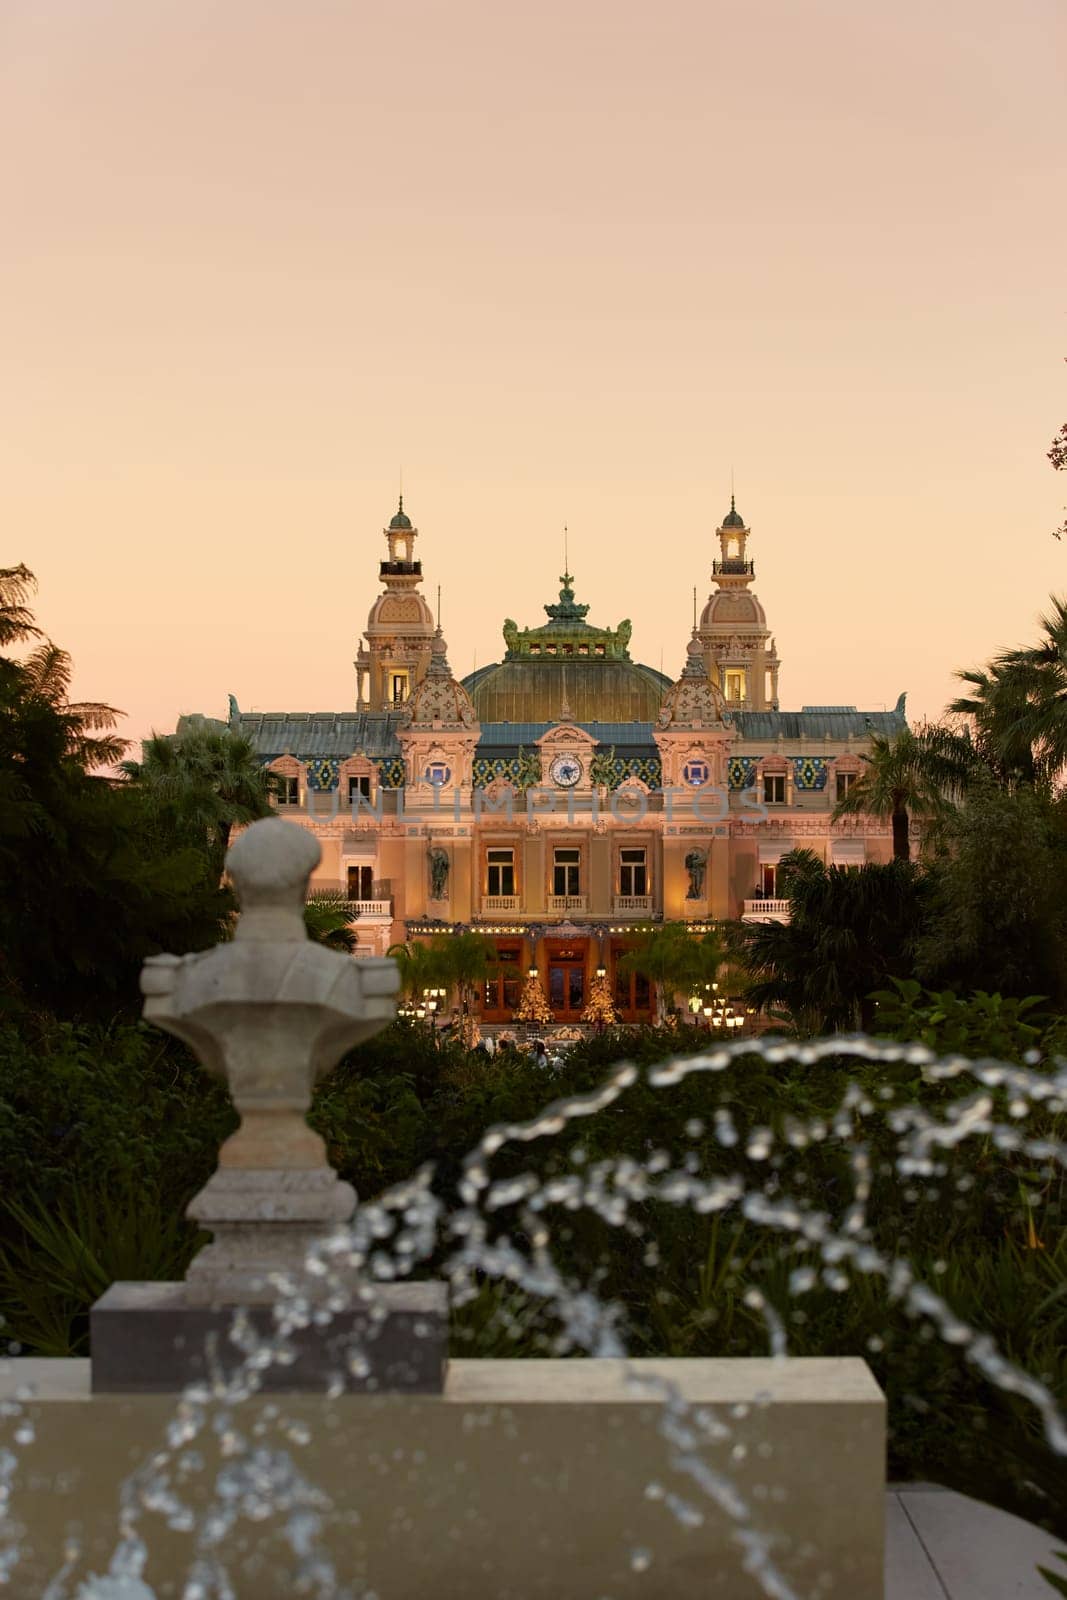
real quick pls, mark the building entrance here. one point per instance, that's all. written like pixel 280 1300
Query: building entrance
pixel 566 981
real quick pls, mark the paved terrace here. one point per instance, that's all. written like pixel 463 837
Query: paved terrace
pixel 942 1546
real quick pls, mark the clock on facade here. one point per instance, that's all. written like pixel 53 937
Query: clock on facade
pixel 566 771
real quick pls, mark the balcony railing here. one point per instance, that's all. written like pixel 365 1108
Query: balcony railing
pixel 568 902
pixel 733 567
pixel 632 905
pixel 369 908
pixel 497 903
pixel 766 911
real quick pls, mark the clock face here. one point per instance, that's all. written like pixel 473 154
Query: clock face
pixel 566 771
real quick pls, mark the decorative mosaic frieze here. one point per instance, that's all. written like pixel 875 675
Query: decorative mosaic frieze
pixel 391 774
pixel 322 773
pixel 516 770
pixel 742 770
pixel 648 768
pixel 810 772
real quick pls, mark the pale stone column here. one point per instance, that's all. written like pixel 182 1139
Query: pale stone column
pixel 270 1013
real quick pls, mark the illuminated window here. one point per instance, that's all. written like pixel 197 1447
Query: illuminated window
pixel 361 883
pixel 288 791
pixel 566 872
pixel 501 872
pixel 633 872
pixel 735 684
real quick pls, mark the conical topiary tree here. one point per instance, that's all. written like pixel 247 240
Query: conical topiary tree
pixel 533 1007
pixel 600 1010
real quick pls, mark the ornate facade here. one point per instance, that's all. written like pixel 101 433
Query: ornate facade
pixel 563 797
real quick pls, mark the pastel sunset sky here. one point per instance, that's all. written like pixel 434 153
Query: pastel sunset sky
pixel 564 262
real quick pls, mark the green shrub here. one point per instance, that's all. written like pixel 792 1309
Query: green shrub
pixel 57 1259
pixel 979 1025
pixel 96 1106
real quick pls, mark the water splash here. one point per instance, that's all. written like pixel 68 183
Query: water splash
pixel 263 1478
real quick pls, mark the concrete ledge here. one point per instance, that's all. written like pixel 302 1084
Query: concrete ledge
pixel 523 1480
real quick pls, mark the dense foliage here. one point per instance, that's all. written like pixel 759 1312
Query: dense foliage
pixel 849 932
pixel 93 875
pixel 97 1125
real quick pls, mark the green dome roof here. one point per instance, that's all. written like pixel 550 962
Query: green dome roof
pixel 733 518
pixel 401 520
pixel 567 690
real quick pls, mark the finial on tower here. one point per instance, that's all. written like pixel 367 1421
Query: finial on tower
pixel 733 518
pixel 401 520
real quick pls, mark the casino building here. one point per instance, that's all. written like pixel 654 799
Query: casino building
pixel 566 795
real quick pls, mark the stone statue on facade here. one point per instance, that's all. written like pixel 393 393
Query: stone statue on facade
pixel 439 865
pixel 602 773
pixel 696 863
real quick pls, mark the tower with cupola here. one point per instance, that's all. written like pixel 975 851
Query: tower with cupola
pixel 694 730
pixel 400 628
pixel 438 730
pixel 738 650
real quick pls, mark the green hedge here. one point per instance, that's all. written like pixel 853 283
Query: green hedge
pixel 106 1133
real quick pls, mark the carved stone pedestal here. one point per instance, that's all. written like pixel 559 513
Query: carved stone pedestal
pixel 269 1012
pixel 154 1338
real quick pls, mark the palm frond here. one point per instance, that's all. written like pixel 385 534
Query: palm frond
pixel 47 672
pixel 16 619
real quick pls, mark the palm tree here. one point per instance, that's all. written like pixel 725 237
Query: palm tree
pixel 1019 705
pixel 89 724
pixel 45 676
pixel 215 781
pixel 674 960
pixel 469 960
pixel 848 933
pixel 329 921
pixel 422 966
pixel 913 772
pixel 16 618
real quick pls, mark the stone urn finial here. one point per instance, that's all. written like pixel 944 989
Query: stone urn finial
pixel 270 1012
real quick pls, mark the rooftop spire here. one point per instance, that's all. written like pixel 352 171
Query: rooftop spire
pixel 566 610
pixel 733 518
pixel 401 520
